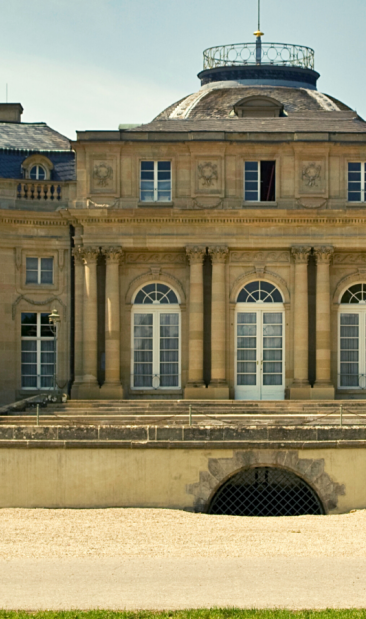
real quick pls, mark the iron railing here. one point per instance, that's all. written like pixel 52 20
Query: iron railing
pixel 259 53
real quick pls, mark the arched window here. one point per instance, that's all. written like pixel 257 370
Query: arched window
pixel 156 293
pixel 37 172
pixel 260 292
pixel 352 338
pixel 260 343
pixel 355 294
pixel 156 338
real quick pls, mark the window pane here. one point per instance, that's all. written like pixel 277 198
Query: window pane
pixel 31 277
pixel 247 355
pixel 354 167
pixel 163 166
pixel 41 173
pixel 33 173
pixel 29 324
pixel 32 264
pixel 147 165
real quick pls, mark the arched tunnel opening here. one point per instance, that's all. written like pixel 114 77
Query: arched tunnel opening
pixel 265 491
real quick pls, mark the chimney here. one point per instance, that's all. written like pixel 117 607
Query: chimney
pixel 10 112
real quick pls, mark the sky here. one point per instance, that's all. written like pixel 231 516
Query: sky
pixel 94 64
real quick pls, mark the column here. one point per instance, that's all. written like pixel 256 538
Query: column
pixel 323 386
pixel 195 388
pixel 300 388
pixel 112 388
pixel 218 387
pixel 89 389
pixel 78 321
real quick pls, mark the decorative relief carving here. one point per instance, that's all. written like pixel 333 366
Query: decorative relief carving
pixel 159 258
pixel 349 259
pixel 112 254
pixel 76 252
pixel 102 174
pixel 207 203
pixel 312 177
pixel 18 257
pixel 90 204
pixel 22 297
pixel 89 254
pixel 207 173
pixel 196 254
pixel 218 254
pixel 323 255
pixel 311 174
pixel 61 259
pixel 311 203
pixel 260 256
pixel 301 254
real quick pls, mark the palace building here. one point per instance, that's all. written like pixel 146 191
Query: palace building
pixel 215 253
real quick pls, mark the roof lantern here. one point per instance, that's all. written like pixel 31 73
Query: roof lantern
pixel 260 64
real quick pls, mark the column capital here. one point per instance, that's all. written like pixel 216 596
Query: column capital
pixel 88 255
pixel 218 253
pixel 113 255
pixel 76 252
pixel 301 254
pixel 195 254
pixel 324 254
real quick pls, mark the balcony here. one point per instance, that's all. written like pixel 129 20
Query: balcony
pixel 259 53
pixel 39 190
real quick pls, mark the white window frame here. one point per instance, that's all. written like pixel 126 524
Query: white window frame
pixel 363 183
pixel 156 189
pixel 38 338
pixel 260 308
pixel 258 162
pixel 155 310
pixel 360 309
pixel 39 271
pixel 38 167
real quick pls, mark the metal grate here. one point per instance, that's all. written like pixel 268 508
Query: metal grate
pixel 264 491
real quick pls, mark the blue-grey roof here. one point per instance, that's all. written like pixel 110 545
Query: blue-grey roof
pixel 63 170
pixel 32 137
pixel 20 140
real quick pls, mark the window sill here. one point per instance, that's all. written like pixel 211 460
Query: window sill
pixel 356 204
pixel 155 204
pixel 260 204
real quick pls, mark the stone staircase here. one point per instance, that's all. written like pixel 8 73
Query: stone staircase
pixel 184 412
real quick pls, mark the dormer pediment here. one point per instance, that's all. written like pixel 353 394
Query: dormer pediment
pixel 258 107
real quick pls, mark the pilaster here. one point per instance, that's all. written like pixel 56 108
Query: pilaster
pixel 300 388
pixel 323 388
pixel 218 388
pixel 195 388
pixel 112 388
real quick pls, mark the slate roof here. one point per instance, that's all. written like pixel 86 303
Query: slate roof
pixel 33 137
pixel 322 122
pixel 63 170
pixel 218 101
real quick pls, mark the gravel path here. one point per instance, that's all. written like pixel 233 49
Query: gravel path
pixel 165 559
pixel 151 533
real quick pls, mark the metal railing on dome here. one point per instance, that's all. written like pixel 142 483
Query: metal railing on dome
pixel 259 53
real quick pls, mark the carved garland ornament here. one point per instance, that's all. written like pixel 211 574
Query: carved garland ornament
pixel 207 173
pixel 260 256
pixel 102 173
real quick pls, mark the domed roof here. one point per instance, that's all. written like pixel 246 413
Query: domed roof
pixel 218 99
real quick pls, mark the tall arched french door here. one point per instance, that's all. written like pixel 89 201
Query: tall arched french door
pixel 260 343
pixel 352 338
pixel 155 339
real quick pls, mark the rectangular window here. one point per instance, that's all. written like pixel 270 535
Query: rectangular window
pixel 156 350
pixel 356 182
pixel 39 271
pixel 260 181
pixel 156 181
pixel 38 351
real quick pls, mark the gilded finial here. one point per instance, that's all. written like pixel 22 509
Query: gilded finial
pixel 258 33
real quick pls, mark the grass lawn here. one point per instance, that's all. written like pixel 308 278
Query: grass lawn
pixel 214 613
